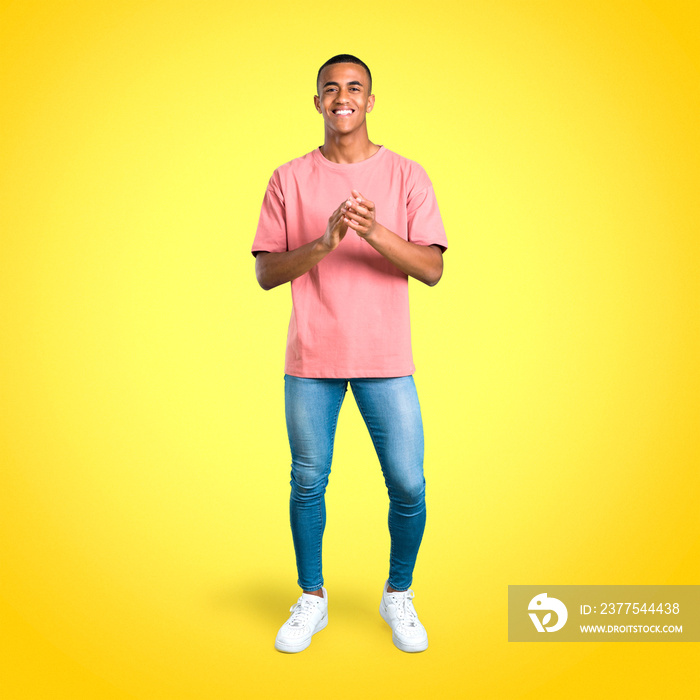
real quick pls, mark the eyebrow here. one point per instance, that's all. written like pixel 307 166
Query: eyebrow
pixel 352 82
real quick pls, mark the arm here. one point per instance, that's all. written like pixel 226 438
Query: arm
pixel 422 262
pixel 273 269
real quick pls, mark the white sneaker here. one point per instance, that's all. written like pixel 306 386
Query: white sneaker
pixel 398 612
pixel 309 615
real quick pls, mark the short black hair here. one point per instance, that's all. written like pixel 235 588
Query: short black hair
pixel 344 58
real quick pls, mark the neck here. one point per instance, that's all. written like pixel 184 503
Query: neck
pixel 348 148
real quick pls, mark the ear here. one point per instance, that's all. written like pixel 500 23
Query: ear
pixel 370 103
pixel 317 104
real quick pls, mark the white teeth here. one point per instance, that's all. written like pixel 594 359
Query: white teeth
pixel 343 111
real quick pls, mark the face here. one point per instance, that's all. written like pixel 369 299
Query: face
pixel 344 98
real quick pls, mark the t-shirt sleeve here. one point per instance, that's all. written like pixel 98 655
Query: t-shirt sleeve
pixel 271 235
pixel 425 225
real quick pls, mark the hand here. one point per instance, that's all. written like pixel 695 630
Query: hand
pixel 336 229
pixel 359 215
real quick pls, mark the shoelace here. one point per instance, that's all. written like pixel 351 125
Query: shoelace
pixel 302 609
pixel 404 608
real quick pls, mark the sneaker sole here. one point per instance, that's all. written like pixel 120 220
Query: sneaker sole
pixel 303 644
pixel 410 648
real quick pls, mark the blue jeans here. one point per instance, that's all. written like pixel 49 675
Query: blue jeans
pixel 391 412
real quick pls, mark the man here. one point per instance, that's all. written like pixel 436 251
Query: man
pixel 350 324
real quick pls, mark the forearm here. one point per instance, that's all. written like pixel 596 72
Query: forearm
pixel 422 262
pixel 273 269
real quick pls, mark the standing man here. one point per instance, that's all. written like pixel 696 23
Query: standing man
pixel 347 224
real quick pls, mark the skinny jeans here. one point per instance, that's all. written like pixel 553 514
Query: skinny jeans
pixel 390 409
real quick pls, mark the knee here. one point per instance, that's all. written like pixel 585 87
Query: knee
pixel 308 480
pixel 408 491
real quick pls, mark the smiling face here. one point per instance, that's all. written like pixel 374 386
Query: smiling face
pixel 344 98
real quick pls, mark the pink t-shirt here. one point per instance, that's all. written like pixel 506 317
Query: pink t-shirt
pixel 350 315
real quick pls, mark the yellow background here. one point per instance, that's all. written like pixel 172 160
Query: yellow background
pixel 144 478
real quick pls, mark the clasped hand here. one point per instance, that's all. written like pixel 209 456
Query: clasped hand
pixel 356 213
